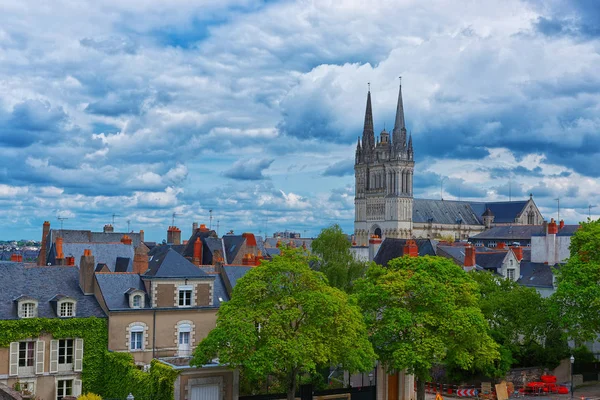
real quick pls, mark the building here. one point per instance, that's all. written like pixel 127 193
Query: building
pixel 47 367
pixel 384 203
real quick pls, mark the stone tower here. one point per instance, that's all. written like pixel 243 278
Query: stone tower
pixel 383 170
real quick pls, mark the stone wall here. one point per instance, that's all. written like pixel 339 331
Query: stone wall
pixel 7 393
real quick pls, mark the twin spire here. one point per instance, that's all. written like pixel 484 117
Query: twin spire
pixel 399 143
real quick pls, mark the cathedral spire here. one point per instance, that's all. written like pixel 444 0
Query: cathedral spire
pixel 368 131
pixel 399 132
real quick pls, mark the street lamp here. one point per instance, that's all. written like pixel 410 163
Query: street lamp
pixel 572 362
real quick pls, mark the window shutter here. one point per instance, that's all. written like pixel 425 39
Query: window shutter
pixel 40 346
pixel 76 387
pixel 14 359
pixel 53 356
pixel 78 366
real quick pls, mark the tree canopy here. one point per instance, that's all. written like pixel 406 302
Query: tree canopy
pixel 284 320
pixel 578 293
pixel 422 311
pixel 335 260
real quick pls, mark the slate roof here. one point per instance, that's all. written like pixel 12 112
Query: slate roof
pixel 272 251
pixel 232 244
pixel 84 236
pixel 492 260
pixel 170 264
pixel 28 255
pixel 219 291
pixel 504 211
pixel 123 264
pixel 444 212
pixel 43 284
pixel 485 258
pixel 568 230
pixel 392 248
pixel 106 253
pixel 234 273
pixel 535 275
pixel 510 232
pixel 114 288
pixel 206 253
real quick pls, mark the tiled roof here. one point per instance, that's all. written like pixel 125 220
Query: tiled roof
pixel 43 284
pixel 114 288
pixel 510 232
pixel 170 264
pixel 392 248
pixel 444 212
pixel 105 253
pixel 123 264
pixel 535 275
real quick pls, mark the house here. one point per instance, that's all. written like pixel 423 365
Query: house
pixel 503 261
pixel 46 366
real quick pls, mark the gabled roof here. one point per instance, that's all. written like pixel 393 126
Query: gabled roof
pixel 504 211
pixel 105 253
pixel 568 230
pixel 536 275
pixel 392 248
pixel 43 284
pixel 233 244
pixel 234 273
pixel 123 264
pixel 485 258
pixel 115 288
pixel 510 232
pixel 206 253
pixel 170 264
pixel 444 212
pixel 490 260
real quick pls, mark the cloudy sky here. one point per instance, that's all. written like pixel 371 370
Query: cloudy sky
pixel 143 108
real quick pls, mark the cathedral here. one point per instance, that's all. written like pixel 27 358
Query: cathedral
pixel 384 205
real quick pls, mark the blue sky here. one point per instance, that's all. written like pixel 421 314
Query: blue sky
pixel 252 109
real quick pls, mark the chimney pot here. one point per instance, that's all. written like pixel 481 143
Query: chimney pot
pixel 126 240
pixel 562 224
pixel 470 260
pixel 552 228
pixel 411 249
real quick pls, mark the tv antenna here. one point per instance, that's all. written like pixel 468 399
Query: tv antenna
pixel 113 218
pixel 557 209
pixel 217 228
pixel 61 219
pixel 210 219
pixel 128 222
pixel 173 218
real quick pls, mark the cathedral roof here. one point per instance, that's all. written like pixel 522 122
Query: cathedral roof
pixel 444 212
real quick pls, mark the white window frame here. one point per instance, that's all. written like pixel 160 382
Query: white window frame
pixel 66 366
pixel 66 313
pixel 137 297
pixel 186 288
pixel 75 386
pixel 142 298
pixel 183 328
pixel 27 309
pixel 137 330
pixel 509 272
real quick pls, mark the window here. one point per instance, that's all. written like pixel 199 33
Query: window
pixel 27 310
pixel 185 296
pixel 137 301
pixel 184 339
pixel 492 243
pixel 65 351
pixel 64 388
pixel 136 338
pixel 67 309
pixel 510 274
pixel 26 354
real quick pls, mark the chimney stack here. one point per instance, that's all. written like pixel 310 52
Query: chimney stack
pixel 126 239
pixel 43 250
pixel 108 228
pixel 518 250
pixel 140 260
pixel 203 228
pixel 70 261
pixel 194 227
pixel 197 252
pixel 562 224
pixel 173 235
pixel 86 272
pixel 15 257
pixel 141 235
pixel 469 257
pixel 501 245
pixel 60 256
pixel 374 244
pixel 552 228
pixel 410 249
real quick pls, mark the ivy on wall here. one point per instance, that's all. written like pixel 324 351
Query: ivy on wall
pixel 112 375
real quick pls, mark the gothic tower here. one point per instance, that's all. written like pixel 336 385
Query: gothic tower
pixel 383 170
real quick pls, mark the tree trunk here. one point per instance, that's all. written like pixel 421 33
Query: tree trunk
pixel 291 390
pixel 420 389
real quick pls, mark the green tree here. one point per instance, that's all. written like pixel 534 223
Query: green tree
pixel 521 322
pixel 335 260
pixel 422 311
pixel 577 296
pixel 284 320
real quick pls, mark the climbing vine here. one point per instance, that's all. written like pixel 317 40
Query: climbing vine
pixel 112 375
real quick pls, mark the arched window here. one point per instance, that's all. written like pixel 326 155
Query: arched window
pixel 184 338
pixel 137 336
pixel 66 308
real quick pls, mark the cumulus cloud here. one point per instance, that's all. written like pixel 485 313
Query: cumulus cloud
pixel 249 170
pixel 340 168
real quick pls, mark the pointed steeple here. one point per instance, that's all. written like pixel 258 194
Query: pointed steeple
pixel 399 132
pixel 410 147
pixel 368 131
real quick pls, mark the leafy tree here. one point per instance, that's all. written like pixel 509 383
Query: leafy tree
pixel 521 322
pixel 422 311
pixel 284 320
pixel 577 296
pixel 335 259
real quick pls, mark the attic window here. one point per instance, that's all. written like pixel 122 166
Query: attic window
pixel 27 309
pixel 66 309
pixel 137 301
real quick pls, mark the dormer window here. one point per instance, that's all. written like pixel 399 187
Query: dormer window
pixel 136 298
pixel 137 301
pixel 67 309
pixel 27 310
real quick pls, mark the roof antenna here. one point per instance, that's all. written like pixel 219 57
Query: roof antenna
pixel 210 219
pixel 173 218
pixel 61 219
pixel 113 218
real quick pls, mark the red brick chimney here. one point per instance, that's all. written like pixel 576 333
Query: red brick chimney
pixel 87 265
pixel 562 224
pixel 14 257
pixel 126 239
pixel 518 250
pixel 140 260
pixel 60 256
pixel 43 250
pixel 249 259
pixel 501 246
pixel 469 256
pixel 552 228
pixel 70 261
pixel 197 252
pixel 203 228
pixel 411 249
pixel 174 235
pixel 141 235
